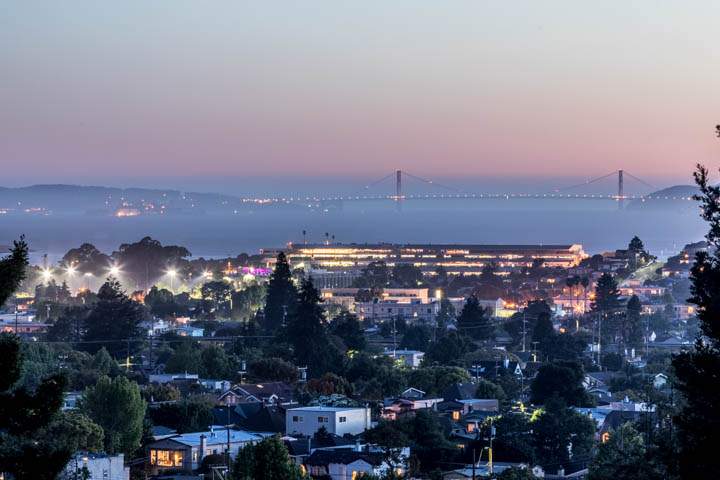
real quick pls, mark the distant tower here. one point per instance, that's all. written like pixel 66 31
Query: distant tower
pixel 620 190
pixel 398 185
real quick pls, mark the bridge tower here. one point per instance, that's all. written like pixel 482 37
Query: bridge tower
pixel 398 185
pixel 620 190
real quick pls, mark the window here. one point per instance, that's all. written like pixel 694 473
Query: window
pixel 342 419
pixel 297 419
pixel 456 415
pixel 166 458
pixel 323 420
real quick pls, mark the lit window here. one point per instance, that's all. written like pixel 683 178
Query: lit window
pixel 166 458
pixel 456 415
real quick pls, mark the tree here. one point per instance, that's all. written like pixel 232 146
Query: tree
pixel 87 259
pixel 267 460
pixel 219 293
pixel 25 415
pixel 161 302
pixel 307 334
pixel 147 260
pixel 416 337
pixel 561 433
pixel 563 379
pixel 185 358
pixel 280 295
pixel 487 389
pixel 607 295
pixel 330 384
pixel 544 333
pixel 215 363
pixel 474 321
pixel 624 457
pixel 375 276
pixel 192 414
pixel 445 315
pixel 116 405
pixel 273 369
pixel 449 349
pixel 697 420
pixel 406 275
pixel 632 327
pixel 114 322
pixel 516 473
pixel 12 269
pixel 347 326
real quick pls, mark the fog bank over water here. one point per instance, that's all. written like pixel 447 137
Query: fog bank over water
pixel 597 224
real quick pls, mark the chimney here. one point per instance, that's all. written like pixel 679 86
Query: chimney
pixel 203 447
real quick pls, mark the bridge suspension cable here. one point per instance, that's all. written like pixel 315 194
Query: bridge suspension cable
pixel 587 182
pixel 639 180
pixel 430 182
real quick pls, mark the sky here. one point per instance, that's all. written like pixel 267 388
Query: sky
pixel 138 91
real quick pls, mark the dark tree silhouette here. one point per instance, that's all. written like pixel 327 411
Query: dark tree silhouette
pixel 697 371
pixel 12 269
pixel 474 320
pixel 280 297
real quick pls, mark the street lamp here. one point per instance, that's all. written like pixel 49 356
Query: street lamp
pixel 172 273
pixel 46 274
pixel 114 270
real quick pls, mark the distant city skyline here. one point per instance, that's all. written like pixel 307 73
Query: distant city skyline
pixel 178 91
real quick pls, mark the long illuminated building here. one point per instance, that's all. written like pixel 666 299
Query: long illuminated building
pixel 456 259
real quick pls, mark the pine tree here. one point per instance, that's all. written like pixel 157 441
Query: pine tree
pixel 697 371
pixel 114 322
pixel 12 269
pixel 474 321
pixel 280 297
pixel 633 328
pixel 307 334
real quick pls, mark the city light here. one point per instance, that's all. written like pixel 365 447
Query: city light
pixel 46 274
pixel 207 274
pixel 172 272
pixel 71 270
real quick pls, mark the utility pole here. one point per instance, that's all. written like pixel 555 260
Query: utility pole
pixel 524 332
pixel 620 190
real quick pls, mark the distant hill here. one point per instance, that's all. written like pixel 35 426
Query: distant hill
pixel 105 200
pixel 667 197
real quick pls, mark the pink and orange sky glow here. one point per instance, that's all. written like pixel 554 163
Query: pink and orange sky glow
pixel 323 88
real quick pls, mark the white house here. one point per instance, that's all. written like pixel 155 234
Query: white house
pixel 336 420
pixel 409 358
pixel 344 464
pixel 97 465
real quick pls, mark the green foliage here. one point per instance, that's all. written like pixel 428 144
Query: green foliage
pixel 12 269
pixel 698 420
pixel 219 293
pixel 347 326
pixel 448 349
pixel 416 337
pixel 280 297
pixel 406 275
pixel 624 457
pixel 161 303
pixel 25 417
pixel 192 414
pixel 375 276
pixel 147 260
pixel 559 431
pixel 117 406
pixel 474 320
pixel 607 295
pixel 267 460
pixel 272 369
pixel 632 332
pixel 114 323
pixel 330 384
pixel 435 379
pixel 561 378
pixel 487 389
pixel 516 473
pixel 307 333
pixel 73 431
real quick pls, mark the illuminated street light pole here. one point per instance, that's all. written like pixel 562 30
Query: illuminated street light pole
pixel 171 273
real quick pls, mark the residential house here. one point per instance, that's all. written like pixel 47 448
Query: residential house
pixel 252 417
pixel 97 465
pixel 269 393
pixel 408 358
pixel 336 420
pixel 344 464
pixel 396 407
pixel 184 452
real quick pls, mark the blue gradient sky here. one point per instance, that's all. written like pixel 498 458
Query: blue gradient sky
pixel 95 91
